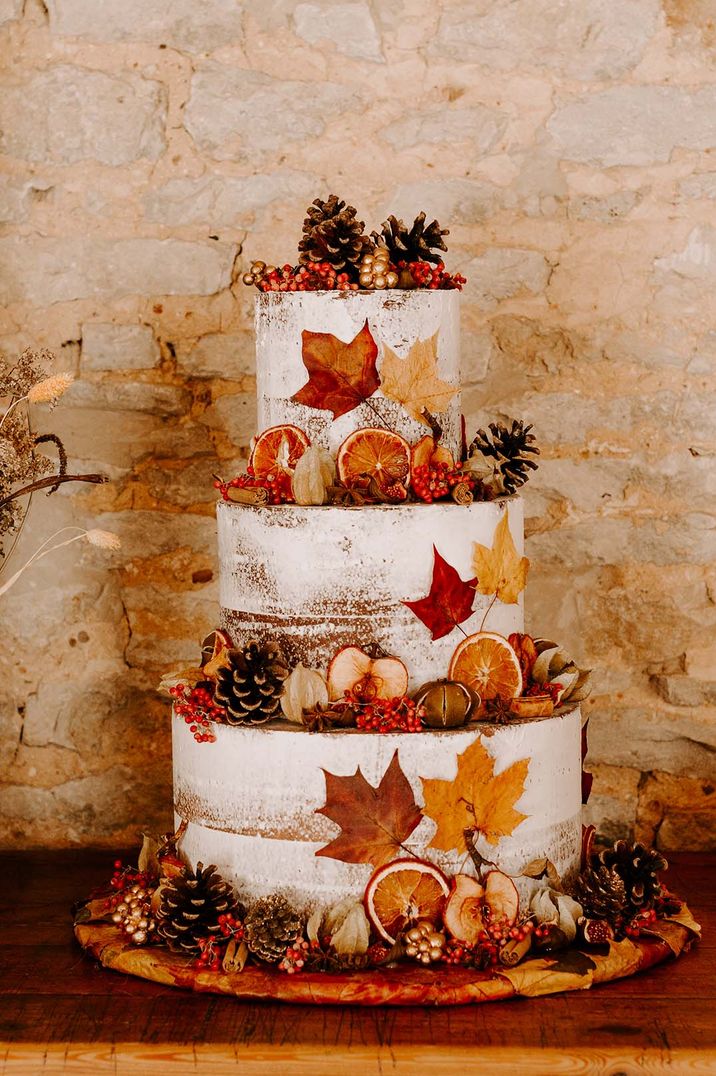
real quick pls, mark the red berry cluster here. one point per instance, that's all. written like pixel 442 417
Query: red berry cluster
pixel 399 714
pixel 210 954
pixel 433 277
pixel 278 486
pixel 123 878
pixel 552 690
pixel 487 951
pixel 196 705
pixel 316 276
pixel 294 957
pixel 643 921
pixel 432 481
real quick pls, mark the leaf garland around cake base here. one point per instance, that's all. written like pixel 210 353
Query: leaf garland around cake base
pixel 547 939
pixel 336 254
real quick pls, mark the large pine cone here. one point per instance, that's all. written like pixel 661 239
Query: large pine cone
pixel 190 906
pixel 250 688
pixel 332 234
pixel 511 449
pixel 271 926
pixel 415 244
pixel 638 867
pixel 602 894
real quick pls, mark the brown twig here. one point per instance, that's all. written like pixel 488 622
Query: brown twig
pixel 52 480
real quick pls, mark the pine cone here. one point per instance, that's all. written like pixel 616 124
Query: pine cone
pixel 271 926
pixel 332 234
pixel 250 689
pixel 637 866
pixel 414 245
pixel 190 906
pixel 602 894
pixel 510 449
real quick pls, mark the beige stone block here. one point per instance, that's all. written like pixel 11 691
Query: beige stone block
pixel 118 347
pixel 228 109
pixel 650 739
pixel 677 812
pixel 464 200
pixel 700 661
pixel 613 802
pixel 10 9
pixel 182 24
pixel 685 690
pixel 235 415
pixel 702 185
pixel 135 396
pixel 501 273
pixel 633 125
pixel 143 532
pixel 227 200
pixel 605 210
pixel 225 355
pixel 584 39
pixel 697 260
pixel 71 114
pixel 478 125
pixel 349 28
pixel 45 271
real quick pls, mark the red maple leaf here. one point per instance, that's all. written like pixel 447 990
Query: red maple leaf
pixel 374 821
pixel 340 376
pixel 449 602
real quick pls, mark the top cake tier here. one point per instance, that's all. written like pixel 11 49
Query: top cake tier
pixel 384 377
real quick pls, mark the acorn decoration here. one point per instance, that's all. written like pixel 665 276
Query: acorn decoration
pixel 448 704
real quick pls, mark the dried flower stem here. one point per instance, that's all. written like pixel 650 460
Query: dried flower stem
pixel 53 480
pixel 44 549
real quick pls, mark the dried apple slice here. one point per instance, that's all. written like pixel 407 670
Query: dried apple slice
pixel 369 678
pixel 501 897
pixel 463 914
pixel 426 451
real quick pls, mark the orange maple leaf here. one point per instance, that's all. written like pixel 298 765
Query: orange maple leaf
pixel 500 570
pixel 475 800
pixel 374 821
pixel 414 382
pixel 340 376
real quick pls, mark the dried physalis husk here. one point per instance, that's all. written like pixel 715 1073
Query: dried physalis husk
pixel 345 924
pixel 554 666
pixel 315 471
pixel 304 689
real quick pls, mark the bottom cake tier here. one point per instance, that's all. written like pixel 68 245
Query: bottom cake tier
pixel 267 804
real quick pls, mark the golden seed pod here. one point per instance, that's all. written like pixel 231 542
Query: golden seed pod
pixel 248 278
pixel 391 280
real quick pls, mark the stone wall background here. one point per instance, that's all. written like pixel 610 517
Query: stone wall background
pixel 151 151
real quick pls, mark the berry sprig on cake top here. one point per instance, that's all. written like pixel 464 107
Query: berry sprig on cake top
pixel 336 254
pixel 410 913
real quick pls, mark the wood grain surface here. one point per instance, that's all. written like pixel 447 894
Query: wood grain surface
pixel 62 1013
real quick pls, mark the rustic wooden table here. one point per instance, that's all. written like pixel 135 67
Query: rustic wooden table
pixel 62 1013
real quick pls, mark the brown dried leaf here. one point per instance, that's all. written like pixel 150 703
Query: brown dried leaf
pixel 340 376
pixel 374 821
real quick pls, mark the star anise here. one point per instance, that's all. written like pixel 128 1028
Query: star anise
pixel 499 710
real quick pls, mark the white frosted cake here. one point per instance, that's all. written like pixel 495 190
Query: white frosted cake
pixel 323 579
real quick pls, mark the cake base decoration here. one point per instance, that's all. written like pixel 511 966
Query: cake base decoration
pixel 416 937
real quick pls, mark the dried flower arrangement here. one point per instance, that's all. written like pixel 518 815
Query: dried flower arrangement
pixel 24 468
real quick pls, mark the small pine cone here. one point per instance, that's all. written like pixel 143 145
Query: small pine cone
pixel 602 895
pixel 511 449
pixel 250 688
pixel 638 868
pixel 413 244
pixel 190 905
pixel 271 927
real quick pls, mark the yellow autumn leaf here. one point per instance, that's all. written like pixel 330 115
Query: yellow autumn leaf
pixel 476 799
pixel 500 570
pixel 413 382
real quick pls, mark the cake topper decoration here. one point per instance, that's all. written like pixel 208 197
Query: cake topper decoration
pixel 336 254
pixel 477 800
pixel 340 376
pixel 374 821
pixel 413 382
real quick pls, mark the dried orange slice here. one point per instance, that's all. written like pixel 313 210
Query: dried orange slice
pixel 488 664
pixel 278 449
pixel 380 454
pixel 402 892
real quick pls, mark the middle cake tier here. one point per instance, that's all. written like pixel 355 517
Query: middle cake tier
pixel 317 579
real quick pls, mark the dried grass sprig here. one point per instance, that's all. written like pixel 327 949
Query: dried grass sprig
pixel 101 539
